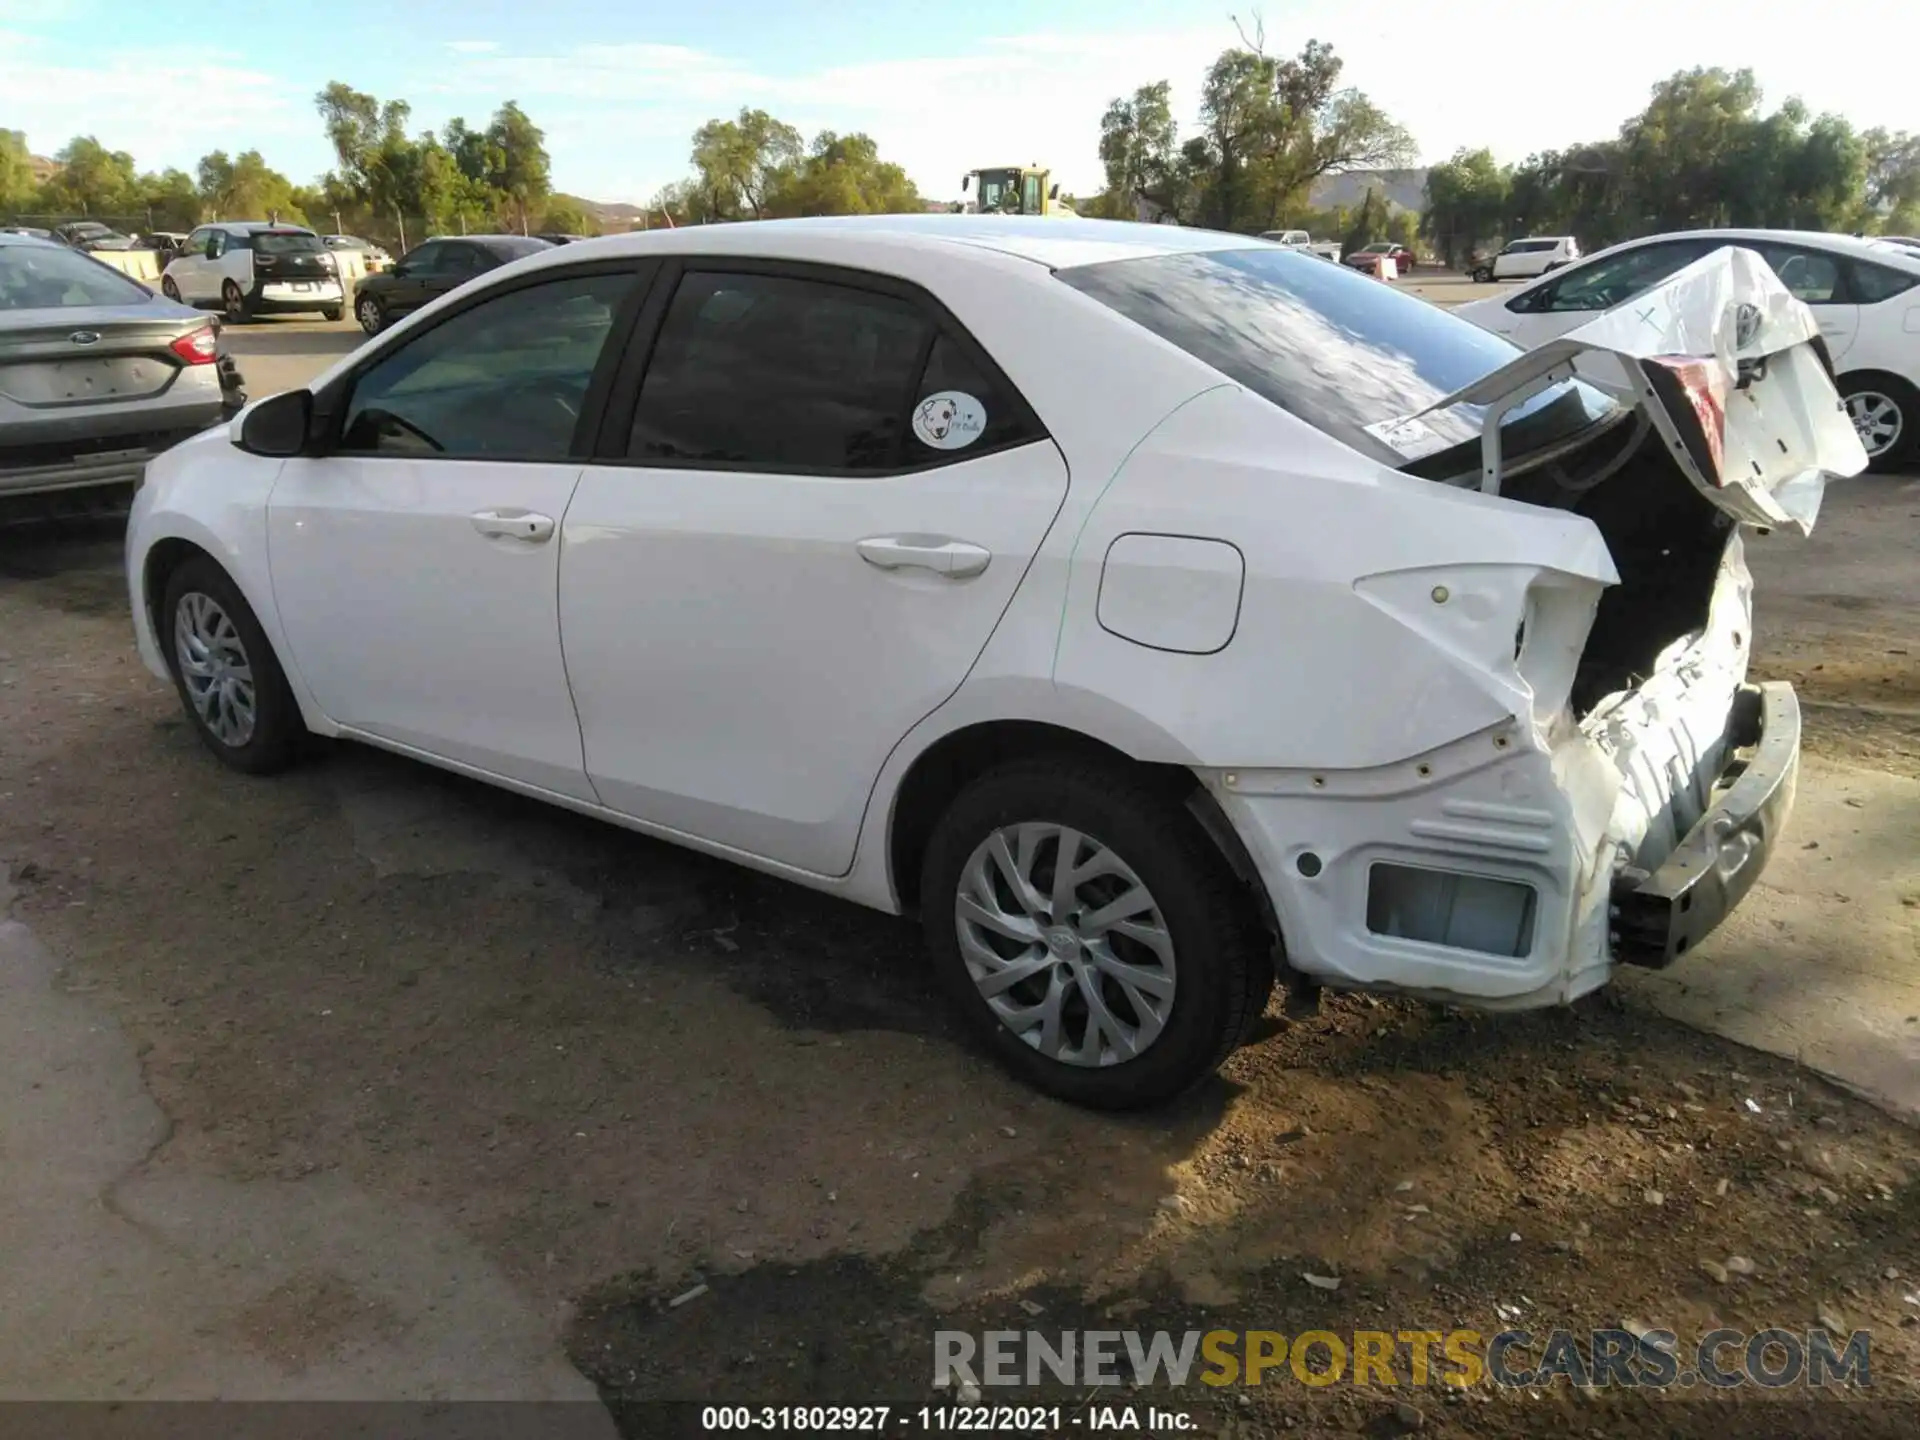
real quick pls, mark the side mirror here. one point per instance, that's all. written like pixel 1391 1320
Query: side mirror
pixel 279 425
pixel 1054 194
pixel 965 181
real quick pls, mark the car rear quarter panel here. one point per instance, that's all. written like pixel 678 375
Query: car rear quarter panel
pixel 1341 658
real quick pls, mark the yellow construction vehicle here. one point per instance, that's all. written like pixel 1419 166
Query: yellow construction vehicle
pixel 1013 190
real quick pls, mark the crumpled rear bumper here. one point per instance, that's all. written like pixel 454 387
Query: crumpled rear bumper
pixel 1659 917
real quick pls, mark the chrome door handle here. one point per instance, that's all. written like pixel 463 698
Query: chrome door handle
pixel 514 525
pixel 955 559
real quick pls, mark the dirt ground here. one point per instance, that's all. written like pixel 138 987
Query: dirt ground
pixel 620 1071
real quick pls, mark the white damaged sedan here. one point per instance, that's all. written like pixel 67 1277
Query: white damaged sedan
pixel 1154 614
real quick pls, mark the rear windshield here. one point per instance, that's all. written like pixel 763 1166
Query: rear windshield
pixel 285 242
pixel 1337 348
pixel 1528 247
pixel 48 277
pixel 512 247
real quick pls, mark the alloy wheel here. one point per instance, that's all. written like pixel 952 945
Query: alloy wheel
pixel 1877 420
pixel 1065 944
pixel 368 311
pixel 236 303
pixel 214 668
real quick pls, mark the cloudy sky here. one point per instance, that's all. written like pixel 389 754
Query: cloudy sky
pixel 619 87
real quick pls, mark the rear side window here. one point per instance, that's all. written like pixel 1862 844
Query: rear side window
pixel 1874 283
pixel 780 372
pixel 1812 275
pixel 783 372
pixel 1332 346
pixel 515 247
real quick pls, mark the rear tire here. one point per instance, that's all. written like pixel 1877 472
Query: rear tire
pixel 333 315
pixel 1886 414
pixel 230 682
pixel 233 304
pixel 1176 975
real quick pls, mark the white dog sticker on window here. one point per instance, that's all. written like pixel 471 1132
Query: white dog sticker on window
pixel 949 420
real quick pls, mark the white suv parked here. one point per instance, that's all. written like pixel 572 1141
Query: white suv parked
pixel 249 268
pixel 1537 254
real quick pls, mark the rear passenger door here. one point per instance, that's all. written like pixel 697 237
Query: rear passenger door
pixel 1820 278
pixel 812 500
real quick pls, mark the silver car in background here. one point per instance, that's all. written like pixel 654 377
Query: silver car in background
pixel 98 374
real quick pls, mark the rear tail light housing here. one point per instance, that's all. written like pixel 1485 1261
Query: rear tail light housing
pixel 197 347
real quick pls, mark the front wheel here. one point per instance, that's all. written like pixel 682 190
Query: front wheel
pixel 169 289
pixel 228 677
pixel 1884 412
pixel 371 314
pixel 1090 932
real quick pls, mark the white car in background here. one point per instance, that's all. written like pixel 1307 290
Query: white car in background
pixel 1303 240
pixel 1863 292
pixel 1153 613
pixel 372 257
pixel 250 268
pixel 1535 255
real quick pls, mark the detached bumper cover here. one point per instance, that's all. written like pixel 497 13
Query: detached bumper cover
pixel 1661 916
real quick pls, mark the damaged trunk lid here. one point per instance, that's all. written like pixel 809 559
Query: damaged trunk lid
pixel 1725 364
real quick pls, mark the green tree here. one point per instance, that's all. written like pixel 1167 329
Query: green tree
pixel 365 133
pixel 1269 128
pixel 843 175
pixel 1140 150
pixel 1466 204
pixel 172 200
pixel 1238 115
pixel 1322 129
pixel 1892 178
pixel 742 163
pixel 18 188
pixel 246 188
pixel 1369 223
pixel 93 180
pixel 523 174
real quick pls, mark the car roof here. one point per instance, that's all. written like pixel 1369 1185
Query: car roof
pixel 1864 248
pixel 8 237
pixel 253 227
pixel 1055 243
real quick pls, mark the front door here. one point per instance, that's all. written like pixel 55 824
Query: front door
pixel 415 276
pixel 415 565
pixel 828 497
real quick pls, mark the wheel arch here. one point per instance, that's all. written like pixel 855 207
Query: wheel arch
pixel 944 767
pixel 181 542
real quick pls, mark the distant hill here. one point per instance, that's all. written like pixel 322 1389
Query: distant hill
pixel 611 215
pixel 1401 189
